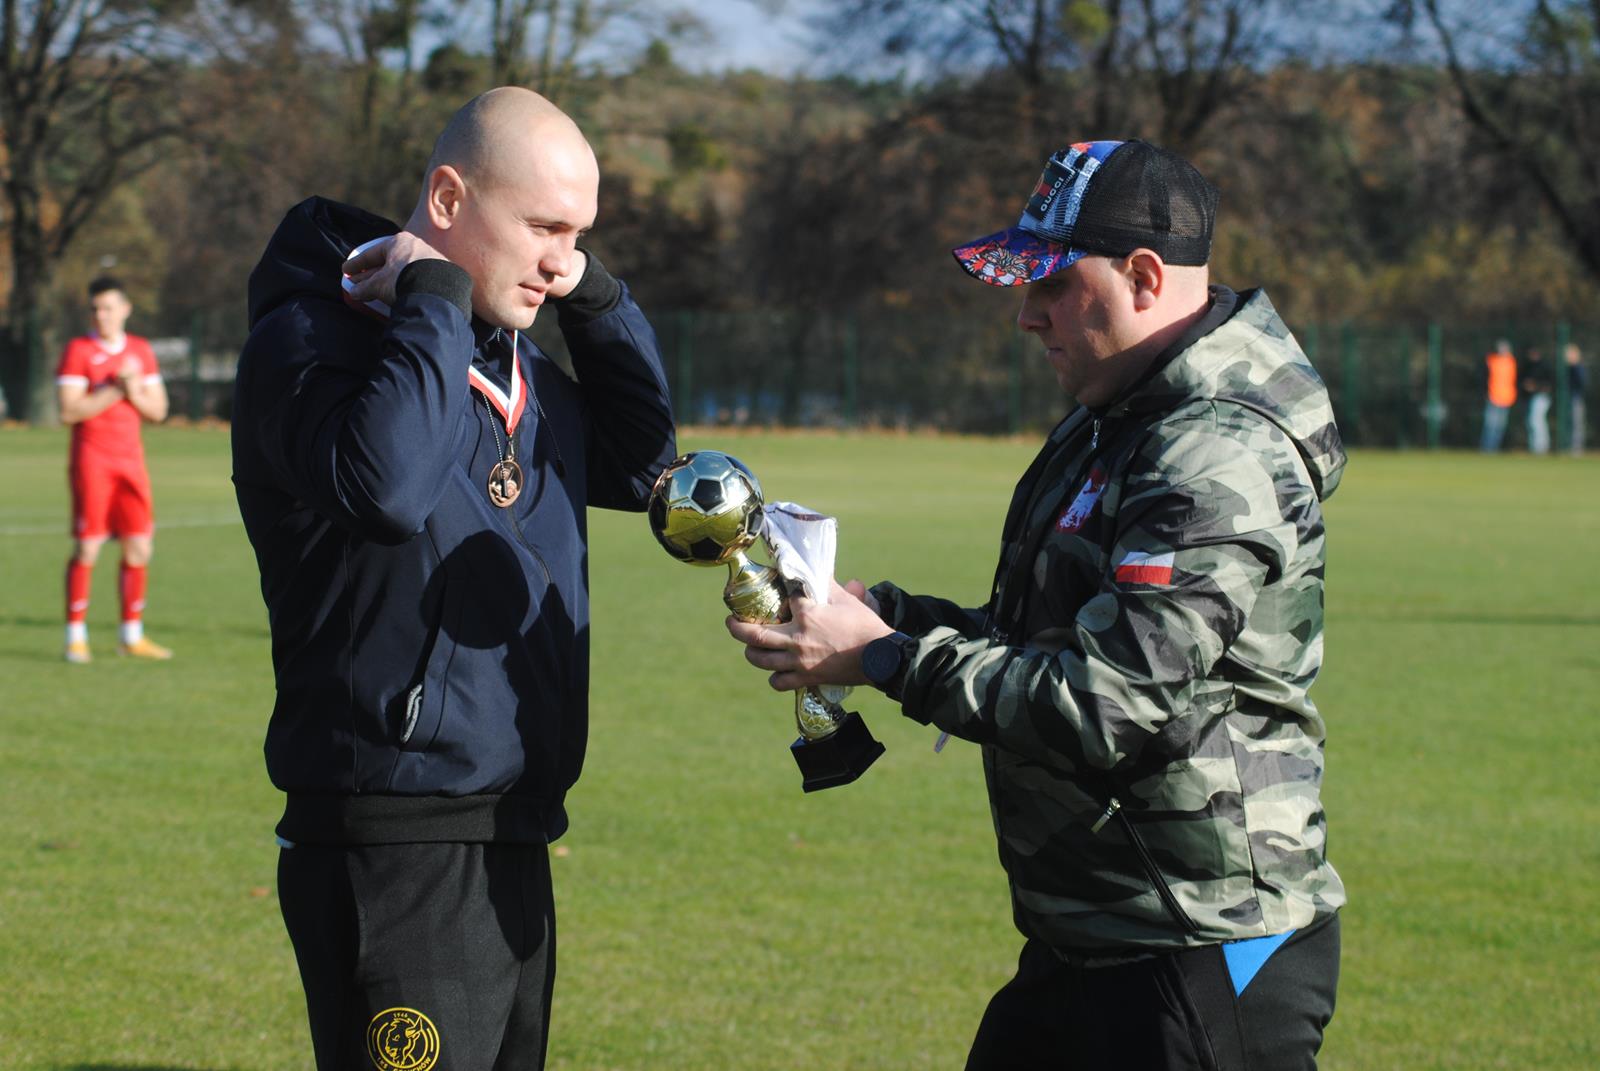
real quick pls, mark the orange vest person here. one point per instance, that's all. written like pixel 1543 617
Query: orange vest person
pixel 1502 394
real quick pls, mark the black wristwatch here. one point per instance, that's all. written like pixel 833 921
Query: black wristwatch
pixel 885 660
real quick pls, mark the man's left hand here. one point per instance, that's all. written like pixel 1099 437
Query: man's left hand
pixel 819 644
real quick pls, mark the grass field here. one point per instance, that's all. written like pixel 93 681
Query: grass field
pixel 714 917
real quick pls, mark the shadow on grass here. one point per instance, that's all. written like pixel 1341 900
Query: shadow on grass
pixel 1458 617
pixel 254 632
pixel 30 654
pixel 129 1067
pixel 27 621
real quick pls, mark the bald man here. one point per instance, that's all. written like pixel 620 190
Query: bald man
pixel 413 474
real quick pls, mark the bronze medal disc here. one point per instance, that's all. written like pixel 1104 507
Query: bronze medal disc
pixel 505 483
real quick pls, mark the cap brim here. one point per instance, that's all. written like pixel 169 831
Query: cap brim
pixel 1013 257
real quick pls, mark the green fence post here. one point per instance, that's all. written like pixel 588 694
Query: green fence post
pixel 1014 385
pixel 1435 402
pixel 1558 369
pixel 681 323
pixel 1350 376
pixel 1402 429
pixel 196 409
pixel 851 371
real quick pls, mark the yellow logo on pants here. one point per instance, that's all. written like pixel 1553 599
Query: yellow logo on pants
pixel 402 1039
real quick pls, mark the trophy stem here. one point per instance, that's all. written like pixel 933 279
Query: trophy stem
pixel 754 592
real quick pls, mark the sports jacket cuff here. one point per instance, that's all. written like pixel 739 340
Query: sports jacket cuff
pixel 439 278
pixel 596 294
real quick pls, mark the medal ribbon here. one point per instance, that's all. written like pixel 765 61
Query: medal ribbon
pixel 510 408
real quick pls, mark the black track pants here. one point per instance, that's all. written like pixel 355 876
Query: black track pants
pixel 423 957
pixel 1172 1013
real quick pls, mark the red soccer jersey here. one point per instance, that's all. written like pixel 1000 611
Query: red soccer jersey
pixel 113 434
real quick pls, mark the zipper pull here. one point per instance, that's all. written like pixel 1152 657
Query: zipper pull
pixel 1105 816
pixel 1094 440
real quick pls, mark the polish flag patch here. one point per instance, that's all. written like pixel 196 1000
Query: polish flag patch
pixel 1140 568
pixel 1073 517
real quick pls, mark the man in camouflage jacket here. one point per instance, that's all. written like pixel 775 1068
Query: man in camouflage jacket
pixel 1138 679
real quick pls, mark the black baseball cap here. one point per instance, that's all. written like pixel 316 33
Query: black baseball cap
pixel 1104 197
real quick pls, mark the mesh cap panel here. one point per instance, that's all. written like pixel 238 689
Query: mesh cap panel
pixel 1144 196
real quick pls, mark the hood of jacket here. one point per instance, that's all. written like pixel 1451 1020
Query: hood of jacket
pixel 306 253
pixel 1252 360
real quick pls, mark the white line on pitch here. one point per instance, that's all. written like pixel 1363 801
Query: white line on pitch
pixel 61 529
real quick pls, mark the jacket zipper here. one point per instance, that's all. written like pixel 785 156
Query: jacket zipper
pixel 516 526
pixel 995 625
pixel 506 511
pixel 1146 860
pixel 1105 816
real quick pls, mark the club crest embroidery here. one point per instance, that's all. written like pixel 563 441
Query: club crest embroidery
pixel 402 1039
pixel 1077 512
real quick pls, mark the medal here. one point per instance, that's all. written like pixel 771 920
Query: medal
pixel 505 476
pixel 505 482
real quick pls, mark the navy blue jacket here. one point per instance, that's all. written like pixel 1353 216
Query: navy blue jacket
pixel 431 650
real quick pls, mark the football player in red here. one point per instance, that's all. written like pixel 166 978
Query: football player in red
pixel 108 383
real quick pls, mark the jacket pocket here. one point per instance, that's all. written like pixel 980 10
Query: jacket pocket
pixel 1153 873
pixel 421 714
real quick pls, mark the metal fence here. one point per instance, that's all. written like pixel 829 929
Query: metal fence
pixel 1392 385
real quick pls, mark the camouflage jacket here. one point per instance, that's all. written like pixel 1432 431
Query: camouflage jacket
pixel 1138 679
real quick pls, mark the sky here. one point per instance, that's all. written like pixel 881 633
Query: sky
pixel 748 34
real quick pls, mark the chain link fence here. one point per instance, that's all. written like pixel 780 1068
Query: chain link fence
pixel 1395 386
pixel 1398 386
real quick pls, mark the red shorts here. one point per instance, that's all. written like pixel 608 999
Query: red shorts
pixel 110 499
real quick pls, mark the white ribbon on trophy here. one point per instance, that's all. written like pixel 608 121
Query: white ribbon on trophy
pixel 803 544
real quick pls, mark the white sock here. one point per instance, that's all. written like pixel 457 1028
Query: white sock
pixel 132 632
pixel 77 632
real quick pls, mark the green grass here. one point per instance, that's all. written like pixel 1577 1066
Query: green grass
pixel 714 917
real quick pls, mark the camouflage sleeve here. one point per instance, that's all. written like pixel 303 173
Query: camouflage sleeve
pixel 916 614
pixel 1199 531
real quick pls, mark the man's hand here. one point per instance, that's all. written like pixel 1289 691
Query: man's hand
pixel 820 644
pixel 130 373
pixel 375 269
pixel 562 285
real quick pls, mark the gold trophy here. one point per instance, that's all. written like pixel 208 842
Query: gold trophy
pixel 706 509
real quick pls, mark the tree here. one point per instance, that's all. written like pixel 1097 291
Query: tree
pixel 89 95
pixel 1165 68
pixel 1528 79
pixel 565 30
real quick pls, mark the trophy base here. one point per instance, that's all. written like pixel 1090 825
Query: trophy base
pixel 837 759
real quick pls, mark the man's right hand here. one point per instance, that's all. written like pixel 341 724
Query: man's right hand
pixel 375 269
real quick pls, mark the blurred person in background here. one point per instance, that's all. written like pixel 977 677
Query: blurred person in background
pixel 107 386
pixel 1577 383
pixel 1537 385
pixel 414 476
pixel 1500 396
pixel 1137 680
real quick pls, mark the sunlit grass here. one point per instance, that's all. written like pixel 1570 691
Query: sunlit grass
pixel 711 915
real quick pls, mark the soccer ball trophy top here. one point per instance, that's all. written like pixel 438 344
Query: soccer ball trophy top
pixel 706 509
